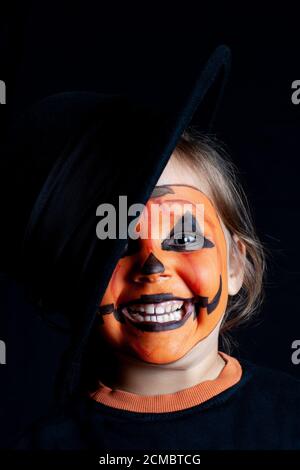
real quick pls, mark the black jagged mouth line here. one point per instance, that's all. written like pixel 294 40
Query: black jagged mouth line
pixel 198 301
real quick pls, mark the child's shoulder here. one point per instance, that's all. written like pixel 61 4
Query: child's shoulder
pixel 271 385
pixel 268 374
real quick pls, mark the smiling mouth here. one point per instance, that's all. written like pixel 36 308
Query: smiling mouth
pixel 159 312
pixel 159 316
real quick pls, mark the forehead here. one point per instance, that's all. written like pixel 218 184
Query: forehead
pixel 182 194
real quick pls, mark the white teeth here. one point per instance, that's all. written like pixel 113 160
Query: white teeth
pixel 176 306
pixel 177 315
pixel 149 308
pixel 160 310
pixel 162 318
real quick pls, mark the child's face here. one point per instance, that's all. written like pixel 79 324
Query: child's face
pixel 168 293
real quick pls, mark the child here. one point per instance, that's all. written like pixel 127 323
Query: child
pixel 153 376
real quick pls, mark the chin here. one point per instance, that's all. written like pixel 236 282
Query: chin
pixel 158 358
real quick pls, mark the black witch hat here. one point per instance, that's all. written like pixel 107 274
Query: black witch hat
pixel 72 152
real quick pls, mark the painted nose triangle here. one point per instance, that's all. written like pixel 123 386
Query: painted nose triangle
pixel 152 265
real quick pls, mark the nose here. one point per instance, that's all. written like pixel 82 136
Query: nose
pixel 152 270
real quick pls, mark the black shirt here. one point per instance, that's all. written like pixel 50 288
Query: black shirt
pixel 261 411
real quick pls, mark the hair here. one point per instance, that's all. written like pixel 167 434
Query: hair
pixel 206 156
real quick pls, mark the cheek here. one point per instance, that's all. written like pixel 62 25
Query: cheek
pixel 117 282
pixel 201 272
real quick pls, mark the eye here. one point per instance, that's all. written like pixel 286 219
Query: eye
pixel 186 242
pixel 184 239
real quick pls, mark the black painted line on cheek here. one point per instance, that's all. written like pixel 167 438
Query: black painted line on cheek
pixel 106 310
pixel 215 302
pixel 210 306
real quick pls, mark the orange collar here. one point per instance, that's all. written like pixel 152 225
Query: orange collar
pixel 189 397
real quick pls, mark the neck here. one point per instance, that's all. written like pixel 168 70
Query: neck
pixel 201 363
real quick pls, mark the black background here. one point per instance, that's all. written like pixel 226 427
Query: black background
pixel 147 52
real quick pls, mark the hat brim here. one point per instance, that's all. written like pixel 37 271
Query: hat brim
pixel 85 149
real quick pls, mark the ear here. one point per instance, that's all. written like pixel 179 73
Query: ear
pixel 236 264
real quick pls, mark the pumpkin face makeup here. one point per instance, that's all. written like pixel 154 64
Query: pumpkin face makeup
pixel 169 292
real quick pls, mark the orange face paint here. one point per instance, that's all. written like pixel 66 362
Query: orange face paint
pixel 167 293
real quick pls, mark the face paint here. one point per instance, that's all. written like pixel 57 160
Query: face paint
pixel 167 294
